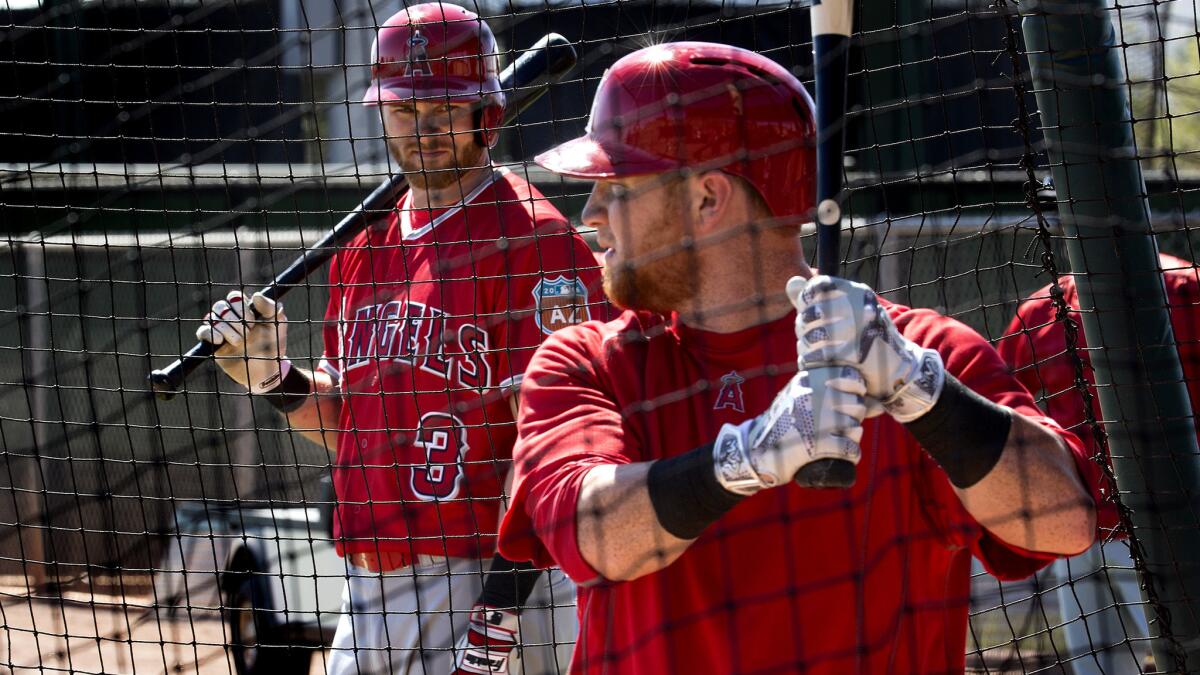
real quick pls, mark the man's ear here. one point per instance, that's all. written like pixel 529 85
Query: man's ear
pixel 712 194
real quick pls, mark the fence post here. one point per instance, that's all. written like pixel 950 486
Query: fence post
pixel 1079 86
pixel 33 500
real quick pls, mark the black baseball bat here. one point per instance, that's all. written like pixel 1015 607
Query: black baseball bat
pixel 831 23
pixel 525 80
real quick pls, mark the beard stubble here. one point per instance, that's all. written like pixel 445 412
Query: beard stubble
pixel 666 282
pixel 433 177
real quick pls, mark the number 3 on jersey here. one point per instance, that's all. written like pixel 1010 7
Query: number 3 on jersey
pixel 444 440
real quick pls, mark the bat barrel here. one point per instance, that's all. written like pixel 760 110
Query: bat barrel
pixel 382 198
pixel 548 59
pixel 832 52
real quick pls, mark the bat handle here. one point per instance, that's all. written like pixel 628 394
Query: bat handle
pixel 166 382
pixel 827 473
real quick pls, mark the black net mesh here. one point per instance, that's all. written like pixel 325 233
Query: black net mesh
pixel 156 155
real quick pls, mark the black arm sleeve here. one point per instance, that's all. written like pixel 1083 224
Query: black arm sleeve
pixel 291 393
pixel 685 493
pixel 509 583
pixel 964 433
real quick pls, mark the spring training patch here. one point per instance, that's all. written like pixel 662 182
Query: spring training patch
pixel 560 302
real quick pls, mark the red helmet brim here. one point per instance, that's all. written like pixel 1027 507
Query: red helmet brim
pixel 585 157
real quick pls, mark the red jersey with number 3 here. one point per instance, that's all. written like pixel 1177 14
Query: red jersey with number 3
pixel 426 335
pixel 874 579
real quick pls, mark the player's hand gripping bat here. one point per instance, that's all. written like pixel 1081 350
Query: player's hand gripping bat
pixel 527 79
pixel 831 24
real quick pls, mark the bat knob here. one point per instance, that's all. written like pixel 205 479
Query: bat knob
pixel 164 383
pixel 827 473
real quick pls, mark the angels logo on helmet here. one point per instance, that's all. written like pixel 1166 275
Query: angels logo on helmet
pixel 560 302
pixel 418 57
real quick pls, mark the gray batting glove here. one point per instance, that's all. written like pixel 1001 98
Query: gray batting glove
pixel 251 341
pixel 818 415
pixel 840 322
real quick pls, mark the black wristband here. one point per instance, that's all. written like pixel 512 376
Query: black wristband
pixel 686 494
pixel 508 584
pixel 964 433
pixel 291 393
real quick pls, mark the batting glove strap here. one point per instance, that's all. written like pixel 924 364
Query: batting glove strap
pixel 488 646
pixel 273 380
pixel 293 389
pixel 731 460
pixel 919 392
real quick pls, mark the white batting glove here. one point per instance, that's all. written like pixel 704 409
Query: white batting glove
pixel 818 415
pixel 489 646
pixel 251 345
pixel 840 322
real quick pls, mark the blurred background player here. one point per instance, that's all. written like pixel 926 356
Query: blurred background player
pixel 657 451
pixel 1035 346
pixel 1095 604
pixel 434 312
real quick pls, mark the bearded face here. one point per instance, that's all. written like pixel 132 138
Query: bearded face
pixel 646 264
pixel 433 141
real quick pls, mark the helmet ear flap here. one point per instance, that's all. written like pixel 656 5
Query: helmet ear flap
pixel 488 120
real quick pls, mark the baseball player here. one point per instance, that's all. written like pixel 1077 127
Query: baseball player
pixel 434 312
pixel 657 452
pixel 1035 345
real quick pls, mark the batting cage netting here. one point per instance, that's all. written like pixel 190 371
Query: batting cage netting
pixel 336 491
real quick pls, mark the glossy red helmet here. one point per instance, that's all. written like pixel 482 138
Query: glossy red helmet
pixel 441 52
pixel 702 106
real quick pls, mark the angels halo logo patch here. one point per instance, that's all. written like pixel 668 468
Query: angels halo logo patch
pixel 560 302
pixel 418 58
pixel 730 395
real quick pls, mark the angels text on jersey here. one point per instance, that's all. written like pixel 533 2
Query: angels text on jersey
pixel 427 338
pixel 420 336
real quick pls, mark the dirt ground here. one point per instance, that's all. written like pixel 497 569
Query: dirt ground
pixel 121 631
pixel 109 634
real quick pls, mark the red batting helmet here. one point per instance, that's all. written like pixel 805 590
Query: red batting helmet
pixel 703 106
pixel 436 51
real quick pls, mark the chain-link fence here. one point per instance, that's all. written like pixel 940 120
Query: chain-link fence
pixel 156 155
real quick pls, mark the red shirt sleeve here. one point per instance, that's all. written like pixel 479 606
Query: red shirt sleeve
pixel 970 358
pixel 1025 340
pixel 551 281
pixel 569 423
